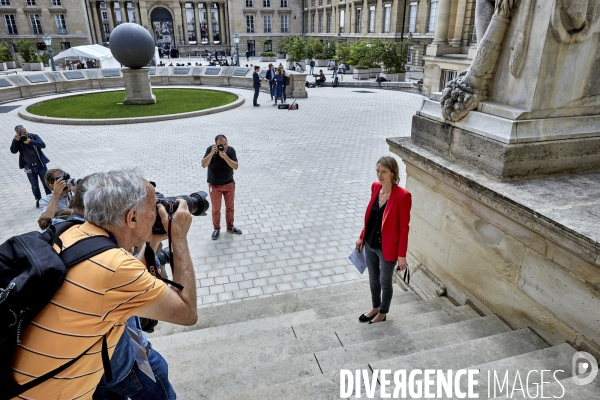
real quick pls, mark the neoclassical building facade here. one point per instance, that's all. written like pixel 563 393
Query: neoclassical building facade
pixel 63 20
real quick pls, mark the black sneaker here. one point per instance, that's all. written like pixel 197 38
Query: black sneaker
pixel 234 230
pixel 215 234
pixel 37 203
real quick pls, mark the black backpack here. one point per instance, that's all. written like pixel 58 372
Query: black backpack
pixel 335 82
pixel 31 271
pixel 286 80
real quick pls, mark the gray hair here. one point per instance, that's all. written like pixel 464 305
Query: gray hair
pixel 18 128
pixel 110 195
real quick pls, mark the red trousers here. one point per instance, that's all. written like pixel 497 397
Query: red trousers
pixel 228 192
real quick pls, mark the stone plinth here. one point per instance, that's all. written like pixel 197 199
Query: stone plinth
pixel 137 86
pixel 527 251
pixel 297 84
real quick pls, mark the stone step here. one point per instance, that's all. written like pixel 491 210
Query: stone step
pixel 257 347
pixel 280 323
pixel 225 314
pixel 206 385
pixel 516 368
pixel 564 389
pixel 400 324
pixel 466 354
pixel 347 321
pixel 318 387
pixel 409 342
pixel 329 310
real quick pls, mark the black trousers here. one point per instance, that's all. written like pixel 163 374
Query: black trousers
pixel 256 90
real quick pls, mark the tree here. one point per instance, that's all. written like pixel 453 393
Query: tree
pixel 394 56
pixel 343 51
pixel 5 54
pixel 315 48
pixel 294 45
pixel 329 50
pixel 27 50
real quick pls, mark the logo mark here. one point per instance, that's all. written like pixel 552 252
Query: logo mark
pixel 585 368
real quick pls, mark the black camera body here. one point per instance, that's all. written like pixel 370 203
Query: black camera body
pixel 67 178
pixel 197 204
pixel 221 147
pixel 22 137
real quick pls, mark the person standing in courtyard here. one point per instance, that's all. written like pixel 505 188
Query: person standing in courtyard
pixel 221 160
pixel 31 159
pixel 278 86
pixel 256 85
pixel 312 67
pixel 384 236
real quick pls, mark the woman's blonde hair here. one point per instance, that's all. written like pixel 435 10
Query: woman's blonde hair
pixel 391 164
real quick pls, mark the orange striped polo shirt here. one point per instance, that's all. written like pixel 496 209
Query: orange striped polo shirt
pixel 96 298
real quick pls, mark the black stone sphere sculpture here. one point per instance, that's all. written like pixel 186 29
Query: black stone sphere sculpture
pixel 132 45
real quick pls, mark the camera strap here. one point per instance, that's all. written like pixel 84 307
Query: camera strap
pixel 151 262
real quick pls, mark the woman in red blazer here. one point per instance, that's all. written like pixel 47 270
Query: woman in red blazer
pixel 385 236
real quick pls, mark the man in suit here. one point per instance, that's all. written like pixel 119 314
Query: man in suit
pixel 256 84
pixel 271 78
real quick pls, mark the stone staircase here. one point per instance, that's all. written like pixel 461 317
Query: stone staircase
pixel 293 346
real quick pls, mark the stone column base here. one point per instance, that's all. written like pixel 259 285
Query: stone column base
pixel 297 84
pixel 137 86
pixel 436 50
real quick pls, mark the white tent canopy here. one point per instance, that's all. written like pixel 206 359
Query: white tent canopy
pixel 94 51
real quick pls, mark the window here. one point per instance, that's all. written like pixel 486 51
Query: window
pixel 328 1
pixel 103 5
pixel 249 3
pixel 358 19
pixel 305 25
pixel 61 26
pixel 473 36
pixel 341 21
pixel 5 3
pixel 432 16
pixel 320 2
pixel 36 24
pixel 312 3
pixel 190 23
pixel 372 19
pixel 386 18
pixel 65 45
pixel 249 23
pixel 312 23
pixel 106 28
pixel 57 3
pixel 117 14
pixel 214 15
pixel 130 10
pixel 320 22
pixel 31 2
pixel 10 24
pixel 267 3
pixel 268 45
pixel 449 75
pixel 267 22
pixel 412 20
pixel 104 16
pixel 409 59
pixel 284 24
pixel 328 22
pixel 284 3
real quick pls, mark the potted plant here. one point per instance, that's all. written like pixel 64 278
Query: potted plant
pixel 267 56
pixel 27 51
pixel 361 71
pixel 394 58
pixel 363 54
pixel 317 48
pixel 36 63
pixel 296 47
pixel 350 64
pixel 4 54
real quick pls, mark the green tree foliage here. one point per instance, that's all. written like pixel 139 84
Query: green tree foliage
pixel 5 54
pixel 296 46
pixel 27 50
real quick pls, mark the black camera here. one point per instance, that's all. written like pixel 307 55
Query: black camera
pixel 22 137
pixel 67 178
pixel 164 256
pixel 197 204
pixel 220 147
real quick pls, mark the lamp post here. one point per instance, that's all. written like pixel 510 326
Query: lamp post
pixel 48 41
pixel 236 40
pixel 179 31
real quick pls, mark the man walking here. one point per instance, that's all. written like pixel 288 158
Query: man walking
pixel 256 85
pixel 31 159
pixel 221 160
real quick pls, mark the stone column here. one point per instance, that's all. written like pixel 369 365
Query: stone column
pixel 351 28
pixel 297 84
pixel 109 11
pixel 124 15
pixel 459 24
pixel 223 21
pixel 364 24
pixel 136 7
pixel 440 45
pixel 197 22
pixel 209 23
pixel 96 22
pixel 184 32
pixel 145 17
pixel 441 23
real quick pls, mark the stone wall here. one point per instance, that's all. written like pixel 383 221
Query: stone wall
pixel 496 254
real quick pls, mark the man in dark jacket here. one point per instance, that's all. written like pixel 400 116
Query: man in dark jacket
pixel 256 85
pixel 31 159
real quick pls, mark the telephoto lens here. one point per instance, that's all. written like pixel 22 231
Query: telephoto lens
pixel 196 202
pixel 164 256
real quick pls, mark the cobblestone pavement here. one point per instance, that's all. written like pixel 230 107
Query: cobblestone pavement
pixel 301 189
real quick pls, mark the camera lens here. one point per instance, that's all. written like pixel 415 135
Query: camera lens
pixel 196 202
pixel 164 256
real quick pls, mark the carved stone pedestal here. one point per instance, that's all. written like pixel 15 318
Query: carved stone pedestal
pixel 137 86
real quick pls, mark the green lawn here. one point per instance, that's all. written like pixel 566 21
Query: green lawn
pixel 106 105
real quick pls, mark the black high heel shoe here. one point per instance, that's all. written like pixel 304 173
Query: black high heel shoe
pixel 364 318
pixel 383 320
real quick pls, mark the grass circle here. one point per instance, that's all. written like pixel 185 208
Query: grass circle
pixel 106 105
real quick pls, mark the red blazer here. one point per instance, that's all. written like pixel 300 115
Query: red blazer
pixel 394 228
